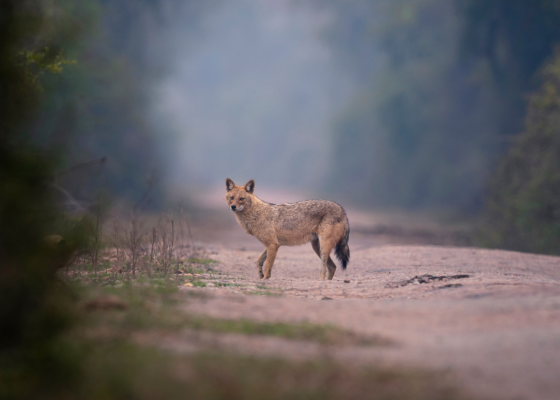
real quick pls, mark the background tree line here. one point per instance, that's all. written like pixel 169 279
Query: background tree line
pixel 444 101
pixel 115 53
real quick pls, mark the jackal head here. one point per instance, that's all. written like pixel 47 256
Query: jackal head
pixel 239 198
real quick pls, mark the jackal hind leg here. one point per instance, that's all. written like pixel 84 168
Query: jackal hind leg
pixel 260 263
pixel 330 263
pixel 270 256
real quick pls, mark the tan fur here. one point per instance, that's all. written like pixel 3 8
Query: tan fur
pixel 321 222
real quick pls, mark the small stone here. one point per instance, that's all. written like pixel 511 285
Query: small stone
pixel 415 283
pixel 188 284
pixel 326 298
pixel 347 281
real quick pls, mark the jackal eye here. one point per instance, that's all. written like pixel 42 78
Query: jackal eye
pixel 231 198
pixel 242 198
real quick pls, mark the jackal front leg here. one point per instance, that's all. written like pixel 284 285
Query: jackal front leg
pixel 260 263
pixel 270 256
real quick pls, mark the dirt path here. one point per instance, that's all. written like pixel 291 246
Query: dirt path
pixel 490 317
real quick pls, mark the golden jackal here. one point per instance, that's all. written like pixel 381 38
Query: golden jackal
pixel 321 222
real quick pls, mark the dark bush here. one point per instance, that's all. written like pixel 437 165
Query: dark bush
pixel 523 206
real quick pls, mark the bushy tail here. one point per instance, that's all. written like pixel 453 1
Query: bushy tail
pixel 341 249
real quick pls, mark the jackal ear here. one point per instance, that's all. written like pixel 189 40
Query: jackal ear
pixel 229 184
pixel 250 186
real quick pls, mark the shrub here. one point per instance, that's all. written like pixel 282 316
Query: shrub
pixel 523 207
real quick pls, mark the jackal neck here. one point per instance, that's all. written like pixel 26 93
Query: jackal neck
pixel 257 205
pixel 249 218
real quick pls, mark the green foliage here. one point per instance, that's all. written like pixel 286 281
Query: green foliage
pixel 27 264
pixel 50 46
pixel 36 62
pixel 523 208
pixel 443 94
pixel 34 308
pixel 99 107
pixel 514 36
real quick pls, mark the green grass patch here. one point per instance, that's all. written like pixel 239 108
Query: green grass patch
pixel 226 284
pixel 199 283
pixel 204 261
pixel 189 269
pixel 263 290
pixel 156 307
pixel 324 334
pixel 261 293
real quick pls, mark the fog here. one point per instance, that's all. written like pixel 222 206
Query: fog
pixel 407 104
pixel 254 98
pixel 376 100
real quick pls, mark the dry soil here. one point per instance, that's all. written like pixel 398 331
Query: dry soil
pixel 490 317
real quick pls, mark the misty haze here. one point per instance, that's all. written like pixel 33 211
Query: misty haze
pixel 281 199
pixel 254 98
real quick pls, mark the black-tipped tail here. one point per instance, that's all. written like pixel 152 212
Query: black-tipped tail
pixel 341 249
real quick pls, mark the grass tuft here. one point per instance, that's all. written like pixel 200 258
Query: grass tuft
pixel 156 307
pixel 204 261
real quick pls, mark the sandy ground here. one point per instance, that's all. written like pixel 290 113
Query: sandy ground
pixel 490 317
